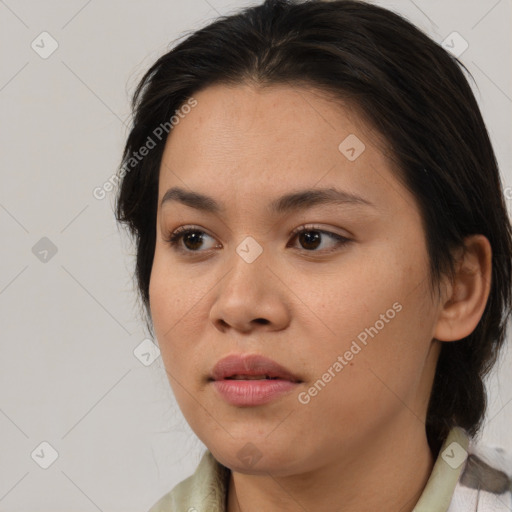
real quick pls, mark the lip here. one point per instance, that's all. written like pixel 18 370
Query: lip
pixel 252 364
pixel 251 392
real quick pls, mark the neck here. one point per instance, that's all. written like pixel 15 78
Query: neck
pixel 387 474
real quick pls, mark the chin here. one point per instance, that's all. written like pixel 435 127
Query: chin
pixel 257 458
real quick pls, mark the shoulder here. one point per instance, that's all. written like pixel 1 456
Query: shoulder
pixel 205 490
pixel 485 483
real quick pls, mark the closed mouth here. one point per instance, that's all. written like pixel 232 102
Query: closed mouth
pixel 250 367
pixel 251 377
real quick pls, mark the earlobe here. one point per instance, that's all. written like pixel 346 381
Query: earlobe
pixel 468 293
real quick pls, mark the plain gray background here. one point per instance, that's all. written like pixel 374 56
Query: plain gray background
pixel 69 320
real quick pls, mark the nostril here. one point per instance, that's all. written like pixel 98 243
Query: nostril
pixel 262 321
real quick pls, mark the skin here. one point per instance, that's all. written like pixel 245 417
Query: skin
pixel 359 444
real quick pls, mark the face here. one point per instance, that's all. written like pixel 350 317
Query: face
pixel 331 288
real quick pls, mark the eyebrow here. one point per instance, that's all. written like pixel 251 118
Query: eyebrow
pixel 293 201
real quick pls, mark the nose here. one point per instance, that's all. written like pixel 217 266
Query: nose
pixel 250 296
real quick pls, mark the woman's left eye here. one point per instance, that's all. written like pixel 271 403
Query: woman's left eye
pixel 310 238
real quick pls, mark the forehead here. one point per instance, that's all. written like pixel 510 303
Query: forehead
pixel 252 118
pixel 247 141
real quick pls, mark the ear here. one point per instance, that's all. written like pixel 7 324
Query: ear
pixel 466 296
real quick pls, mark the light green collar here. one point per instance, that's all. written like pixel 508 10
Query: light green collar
pixel 438 492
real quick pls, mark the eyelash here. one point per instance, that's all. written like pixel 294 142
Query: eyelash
pixel 175 237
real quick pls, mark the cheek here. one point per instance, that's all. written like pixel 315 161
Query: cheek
pixel 171 293
pixel 376 317
pixel 372 382
pixel 347 300
pixel 177 301
pixel 168 307
pixel 168 313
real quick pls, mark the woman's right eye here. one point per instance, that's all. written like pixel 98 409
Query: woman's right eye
pixel 192 239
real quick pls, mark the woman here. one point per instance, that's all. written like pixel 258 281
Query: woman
pixel 324 255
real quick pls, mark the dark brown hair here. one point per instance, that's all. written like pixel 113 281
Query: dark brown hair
pixel 410 90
